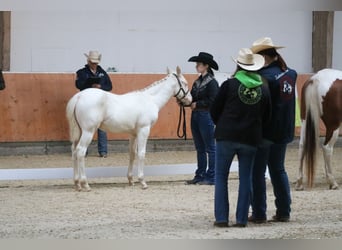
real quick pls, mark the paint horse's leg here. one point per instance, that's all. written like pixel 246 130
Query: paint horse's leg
pixel 132 154
pixel 81 150
pixel 328 149
pixel 299 182
pixel 141 146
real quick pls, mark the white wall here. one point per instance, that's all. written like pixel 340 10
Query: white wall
pixel 150 40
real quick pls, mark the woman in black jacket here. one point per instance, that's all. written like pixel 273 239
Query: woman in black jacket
pixel 203 94
pixel 239 111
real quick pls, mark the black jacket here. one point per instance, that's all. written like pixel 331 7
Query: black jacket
pixel 83 75
pixel 237 120
pixel 204 91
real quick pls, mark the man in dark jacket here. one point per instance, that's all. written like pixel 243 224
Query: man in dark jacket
pixel 93 76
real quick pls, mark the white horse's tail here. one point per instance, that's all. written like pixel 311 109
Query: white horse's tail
pixel 74 128
pixel 310 112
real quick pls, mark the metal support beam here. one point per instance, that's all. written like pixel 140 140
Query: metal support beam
pixel 322 39
pixel 5 40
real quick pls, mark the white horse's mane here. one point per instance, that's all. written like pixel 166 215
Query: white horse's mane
pixel 151 85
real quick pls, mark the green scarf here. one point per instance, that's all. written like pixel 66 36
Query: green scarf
pixel 249 79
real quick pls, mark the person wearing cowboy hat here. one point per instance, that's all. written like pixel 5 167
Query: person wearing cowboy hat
pixel 203 93
pixel 94 76
pixel 277 134
pixel 239 110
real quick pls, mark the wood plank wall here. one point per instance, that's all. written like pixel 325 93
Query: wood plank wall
pixel 32 107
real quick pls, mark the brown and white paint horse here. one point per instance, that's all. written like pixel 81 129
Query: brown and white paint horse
pixel 321 98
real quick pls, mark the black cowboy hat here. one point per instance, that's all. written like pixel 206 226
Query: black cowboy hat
pixel 205 58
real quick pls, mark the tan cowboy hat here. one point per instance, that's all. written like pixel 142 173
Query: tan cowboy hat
pixel 93 56
pixel 264 43
pixel 249 61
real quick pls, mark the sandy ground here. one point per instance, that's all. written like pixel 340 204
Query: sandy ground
pixel 167 209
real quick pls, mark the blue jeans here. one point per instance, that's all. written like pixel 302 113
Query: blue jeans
pixel 226 150
pixel 101 141
pixel 272 155
pixel 202 128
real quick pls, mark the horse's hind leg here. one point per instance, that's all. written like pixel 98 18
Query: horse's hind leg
pixel 328 149
pixel 299 182
pixel 81 150
pixel 75 167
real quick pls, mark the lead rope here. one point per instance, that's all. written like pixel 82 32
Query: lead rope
pixel 181 117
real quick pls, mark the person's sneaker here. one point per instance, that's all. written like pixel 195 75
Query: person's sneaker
pixel 205 182
pixel 257 220
pixel 193 181
pixel 278 218
pixel 103 155
pixel 221 224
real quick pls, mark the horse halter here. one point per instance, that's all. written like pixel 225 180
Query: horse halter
pixel 181 89
pixel 181 130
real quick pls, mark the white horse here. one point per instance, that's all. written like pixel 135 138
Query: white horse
pixel 321 99
pixel 134 113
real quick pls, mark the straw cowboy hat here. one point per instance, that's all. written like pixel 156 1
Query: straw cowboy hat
pixel 264 43
pixel 205 58
pixel 93 56
pixel 249 61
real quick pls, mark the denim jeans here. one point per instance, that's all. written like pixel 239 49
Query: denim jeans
pixel 226 150
pixel 272 155
pixel 101 141
pixel 202 128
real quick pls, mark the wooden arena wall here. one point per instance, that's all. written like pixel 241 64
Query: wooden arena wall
pixel 32 106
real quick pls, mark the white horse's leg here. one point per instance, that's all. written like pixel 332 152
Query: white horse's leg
pixel 75 167
pixel 81 152
pixel 327 153
pixel 132 153
pixel 299 182
pixel 141 152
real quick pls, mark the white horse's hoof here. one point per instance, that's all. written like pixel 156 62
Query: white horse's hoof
pixel 144 185
pixel 85 186
pixel 77 186
pixel 130 180
pixel 333 187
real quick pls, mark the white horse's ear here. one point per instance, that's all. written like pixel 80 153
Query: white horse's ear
pixel 178 70
pixel 168 70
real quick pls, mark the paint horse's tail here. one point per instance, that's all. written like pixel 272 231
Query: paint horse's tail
pixel 74 128
pixel 310 113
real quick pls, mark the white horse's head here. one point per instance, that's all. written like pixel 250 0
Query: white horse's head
pixel 182 92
